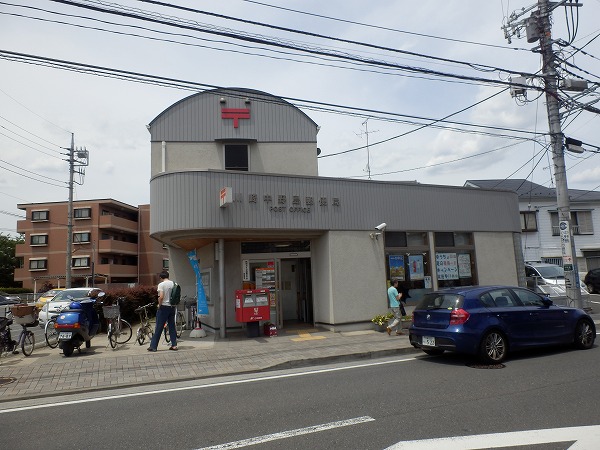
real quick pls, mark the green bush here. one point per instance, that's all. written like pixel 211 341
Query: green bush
pixel 132 298
pixel 16 291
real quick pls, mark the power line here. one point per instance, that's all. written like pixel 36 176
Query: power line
pixel 321 36
pixel 379 27
pixel 262 40
pixel 33 173
pixel 319 58
pixel 190 85
pixel 32 112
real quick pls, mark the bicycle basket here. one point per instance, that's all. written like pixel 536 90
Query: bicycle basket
pixel 110 312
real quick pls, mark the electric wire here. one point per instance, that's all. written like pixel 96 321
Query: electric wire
pixel 460 41
pixel 306 33
pixel 262 40
pixel 355 66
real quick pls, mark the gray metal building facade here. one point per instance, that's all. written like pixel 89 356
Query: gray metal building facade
pixel 316 235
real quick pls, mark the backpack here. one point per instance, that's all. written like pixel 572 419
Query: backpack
pixel 175 295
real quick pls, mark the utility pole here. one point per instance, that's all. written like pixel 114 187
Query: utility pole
pixel 70 213
pixel 539 26
pixel 77 158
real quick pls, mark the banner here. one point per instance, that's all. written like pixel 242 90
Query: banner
pixel 202 304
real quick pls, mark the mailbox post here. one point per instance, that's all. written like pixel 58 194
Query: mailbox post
pixel 252 306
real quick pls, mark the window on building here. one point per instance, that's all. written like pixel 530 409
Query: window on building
pixel 529 221
pixel 82 237
pixel 82 213
pixel 395 239
pixel 581 222
pixel 444 239
pixel 236 157
pixel 165 263
pixel 83 261
pixel 39 239
pixel 38 264
pixel 40 215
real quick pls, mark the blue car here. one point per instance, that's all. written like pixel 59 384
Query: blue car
pixel 490 321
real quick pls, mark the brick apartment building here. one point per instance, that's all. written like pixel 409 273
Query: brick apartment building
pixel 111 245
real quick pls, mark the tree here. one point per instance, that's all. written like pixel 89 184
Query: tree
pixel 8 261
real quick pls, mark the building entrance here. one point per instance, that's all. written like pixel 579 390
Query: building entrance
pixel 289 280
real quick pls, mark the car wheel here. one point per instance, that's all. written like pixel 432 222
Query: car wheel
pixel 433 351
pixel 493 348
pixel 584 334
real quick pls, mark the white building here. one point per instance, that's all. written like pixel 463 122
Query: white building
pixel 539 221
pixel 235 182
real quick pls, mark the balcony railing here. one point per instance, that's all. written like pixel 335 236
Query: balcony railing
pixel 118 223
pixel 117 270
pixel 117 247
pixel 556 230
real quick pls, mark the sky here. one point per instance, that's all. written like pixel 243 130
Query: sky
pixel 436 60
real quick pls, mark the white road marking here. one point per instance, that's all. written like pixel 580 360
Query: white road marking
pixel 584 438
pixel 290 433
pixel 205 386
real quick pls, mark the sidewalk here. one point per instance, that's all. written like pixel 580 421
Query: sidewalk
pixel 47 372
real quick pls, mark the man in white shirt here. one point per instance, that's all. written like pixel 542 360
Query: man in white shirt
pixel 165 313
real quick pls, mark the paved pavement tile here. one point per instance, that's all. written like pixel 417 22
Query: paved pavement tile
pixel 48 372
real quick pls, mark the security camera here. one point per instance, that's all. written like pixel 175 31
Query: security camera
pixel 381 226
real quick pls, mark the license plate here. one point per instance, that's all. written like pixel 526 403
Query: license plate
pixel 65 335
pixel 428 340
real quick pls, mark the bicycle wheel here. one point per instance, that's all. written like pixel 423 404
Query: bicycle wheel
pixel 112 337
pixel 125 332
pixel 179 324
pixel 167 334
pixel 28 343
pixel 51 334
pixel 140 335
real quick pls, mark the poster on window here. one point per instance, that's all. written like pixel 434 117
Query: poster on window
pixel 415 267
pixel 446 265
pixel 396 267
pixel 464 265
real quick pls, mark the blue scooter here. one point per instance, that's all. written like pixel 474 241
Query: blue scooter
pixel 76 325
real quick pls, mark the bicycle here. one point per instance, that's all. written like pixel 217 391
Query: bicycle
pixel 145 330
pixel 50 332
pixel 191 306
pixel 23 315
pixel 119 330
pixel 179 324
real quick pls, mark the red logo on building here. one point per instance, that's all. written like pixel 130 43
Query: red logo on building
pixel 236 114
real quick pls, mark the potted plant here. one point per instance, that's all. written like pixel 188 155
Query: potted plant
pixel 381 320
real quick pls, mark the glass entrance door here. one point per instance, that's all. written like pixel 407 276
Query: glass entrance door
pixel 289 282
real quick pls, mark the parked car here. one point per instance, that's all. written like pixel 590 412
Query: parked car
pixel 63 299
pixel 6 300
pixel 545 273
pixel 491 321
pixel 48 295
pixel 592 281
pixel 9 299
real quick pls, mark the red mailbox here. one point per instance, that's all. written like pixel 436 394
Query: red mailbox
pixel 252 305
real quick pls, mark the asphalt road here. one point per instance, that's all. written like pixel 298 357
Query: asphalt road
pixel 372 405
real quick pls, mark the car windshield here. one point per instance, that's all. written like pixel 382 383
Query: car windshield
pixel 68 295
pixel 551 271
pixel 438 300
